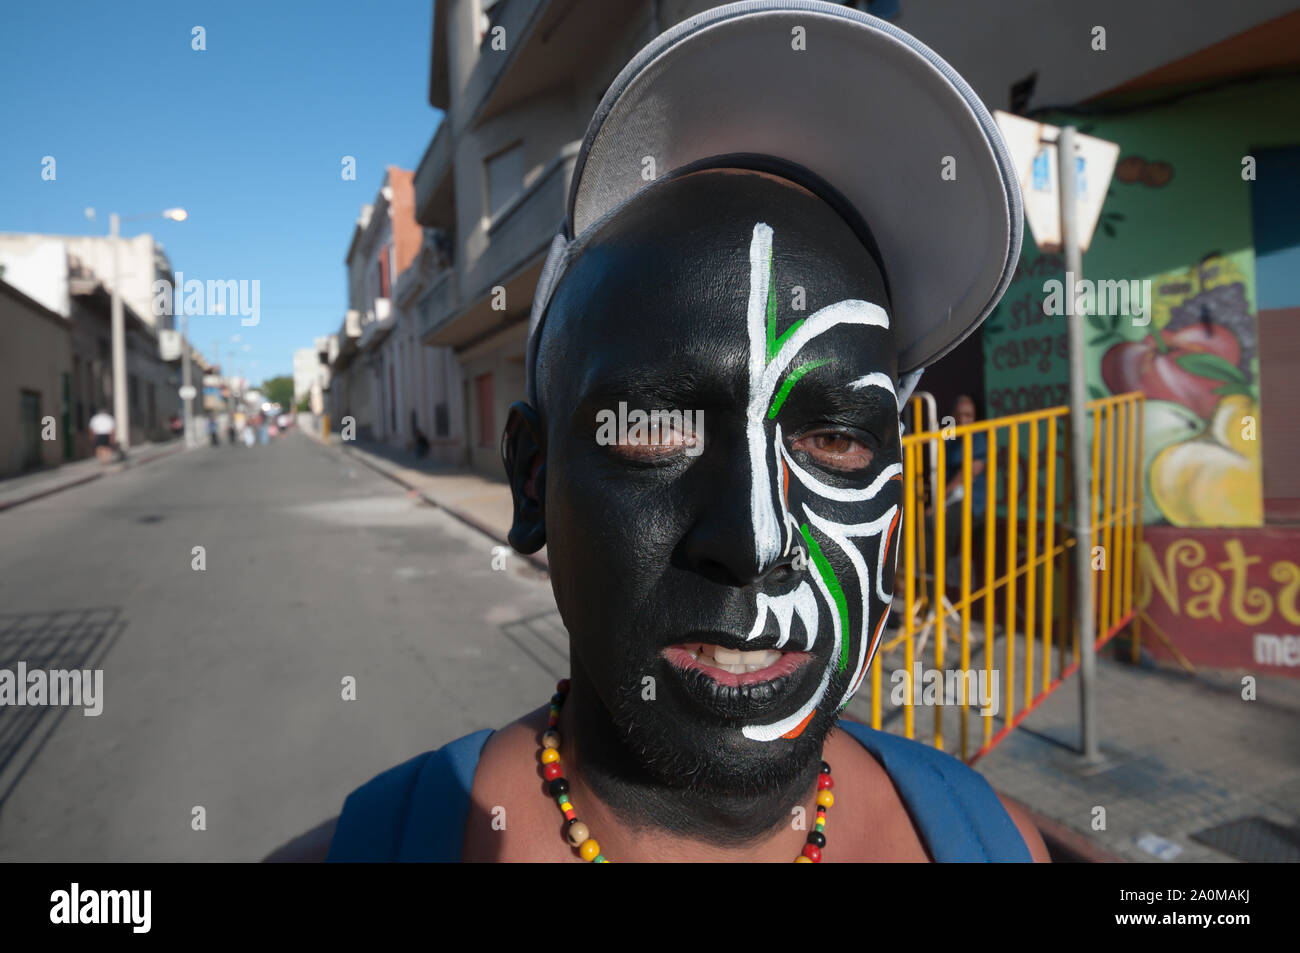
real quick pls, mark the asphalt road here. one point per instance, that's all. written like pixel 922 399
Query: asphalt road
pixel 223 687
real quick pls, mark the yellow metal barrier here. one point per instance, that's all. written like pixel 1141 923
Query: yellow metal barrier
pixel 1021 610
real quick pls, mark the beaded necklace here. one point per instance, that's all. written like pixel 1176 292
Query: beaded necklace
pixel 579 835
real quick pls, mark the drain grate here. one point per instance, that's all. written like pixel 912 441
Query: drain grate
pixel 1254 840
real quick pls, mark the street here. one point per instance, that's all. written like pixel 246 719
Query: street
pixel 223 687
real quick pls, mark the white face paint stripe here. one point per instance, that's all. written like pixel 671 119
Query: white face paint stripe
pixel 767 534
pixel 841 535
pixel 851 311
pixel 875 379
pixel 841 494
pixel 785 608
pixel 776 730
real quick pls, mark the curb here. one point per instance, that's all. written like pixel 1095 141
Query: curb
pixel 50 491
pixel 532 559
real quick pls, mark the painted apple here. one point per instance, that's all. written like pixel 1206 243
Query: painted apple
pixel 1157 365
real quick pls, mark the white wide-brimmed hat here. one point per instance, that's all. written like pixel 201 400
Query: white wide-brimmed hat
pixel 872 113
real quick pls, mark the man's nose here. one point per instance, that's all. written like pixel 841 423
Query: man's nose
pixel 721 545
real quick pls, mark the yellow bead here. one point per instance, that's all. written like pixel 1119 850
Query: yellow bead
pixel 549 755
pixel 589 849
pixel 825 798
pixel 551 739
pixel 801 859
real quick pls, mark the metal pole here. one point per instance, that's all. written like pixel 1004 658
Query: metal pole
pixel 121 411
pixel 1083 576
pixel 186 376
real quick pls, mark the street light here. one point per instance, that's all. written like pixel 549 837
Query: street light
pixel 121 411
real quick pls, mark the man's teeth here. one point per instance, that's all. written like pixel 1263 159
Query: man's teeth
pixel 730 660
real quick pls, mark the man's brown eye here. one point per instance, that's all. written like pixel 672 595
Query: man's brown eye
pixel 836 450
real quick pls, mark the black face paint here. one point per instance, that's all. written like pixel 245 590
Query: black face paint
pixel 748 300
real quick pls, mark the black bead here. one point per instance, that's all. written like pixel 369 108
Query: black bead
pixel 571 821
pixel 559 786
pixel 817 839
pixel 826 768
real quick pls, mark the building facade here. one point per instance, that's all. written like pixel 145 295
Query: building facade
pixel 395 389
pixel 35 361
pixel 51 270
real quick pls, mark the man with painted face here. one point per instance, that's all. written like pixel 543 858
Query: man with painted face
pixel 723 559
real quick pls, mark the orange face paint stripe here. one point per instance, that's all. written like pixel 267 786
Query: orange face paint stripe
pixel 797 730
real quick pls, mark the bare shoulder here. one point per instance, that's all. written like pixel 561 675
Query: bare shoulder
pixel 309 848
pixel 1033 839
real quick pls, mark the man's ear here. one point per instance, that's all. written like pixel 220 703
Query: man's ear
pixel 523 451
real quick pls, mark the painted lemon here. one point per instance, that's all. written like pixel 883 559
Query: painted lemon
pixel 1236 425
pixel 1164 424
pixel 1201 483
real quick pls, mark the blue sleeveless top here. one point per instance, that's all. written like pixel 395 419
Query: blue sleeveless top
pixel 417 811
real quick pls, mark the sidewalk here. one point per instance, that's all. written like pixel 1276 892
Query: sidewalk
pixel 479 501
pixel 32 486
pixel 1182 755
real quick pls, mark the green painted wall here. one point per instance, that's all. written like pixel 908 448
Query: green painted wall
pixel 1178 214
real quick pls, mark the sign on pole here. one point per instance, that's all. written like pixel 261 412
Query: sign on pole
pixel 169 344
pixel 1033 152
pixel 188 392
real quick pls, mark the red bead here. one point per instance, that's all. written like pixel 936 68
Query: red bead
pixel 824 782
pixel 562 686
pixel 553 771
pixel 813 853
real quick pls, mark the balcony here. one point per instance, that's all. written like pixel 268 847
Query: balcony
pixel 438 305
pixel 346 347
pixel 548 46
pixel 517 18
pixel 435 182
pixel 376 324
pixel 524 227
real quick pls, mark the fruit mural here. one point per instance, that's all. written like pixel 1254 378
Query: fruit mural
pixel 1178 221
pixel 1195 361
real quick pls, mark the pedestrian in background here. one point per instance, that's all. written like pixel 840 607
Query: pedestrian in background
pixel 103 432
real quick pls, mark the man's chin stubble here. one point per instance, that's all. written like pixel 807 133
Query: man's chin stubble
pixel 650 779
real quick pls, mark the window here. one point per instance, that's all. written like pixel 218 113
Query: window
pixel 486 417
pixel 505 177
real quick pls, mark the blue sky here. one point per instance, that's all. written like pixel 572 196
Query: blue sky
pixel 248 136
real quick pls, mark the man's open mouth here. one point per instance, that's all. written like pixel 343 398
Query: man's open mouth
pixel 732 667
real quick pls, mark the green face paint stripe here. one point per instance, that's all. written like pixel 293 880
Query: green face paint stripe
pixel 833 584
pixel 776 348
pixel 790 381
